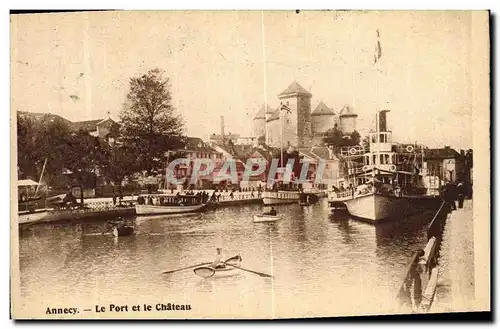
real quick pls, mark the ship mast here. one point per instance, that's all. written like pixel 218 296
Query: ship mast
pixel 378 54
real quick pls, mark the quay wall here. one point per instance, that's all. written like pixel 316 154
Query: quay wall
pixel 104 207
pixel 418 288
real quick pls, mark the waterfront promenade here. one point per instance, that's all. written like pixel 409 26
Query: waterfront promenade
pixel 455 289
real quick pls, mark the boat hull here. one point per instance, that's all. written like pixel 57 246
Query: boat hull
pixel 32 217
pixel 166 210
pixel 374 207
pixel 227 271
pixel 123 231
pixel 265 218
pixel 280 197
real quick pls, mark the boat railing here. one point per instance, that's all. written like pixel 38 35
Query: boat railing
pixel 351 150
pixel 349 193
pixel 237 196
pixel 283 194
pixel 419 284
pixel 341 194
pixel 95 207
pixel 355 170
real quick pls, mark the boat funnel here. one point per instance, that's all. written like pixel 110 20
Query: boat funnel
pixel 382 120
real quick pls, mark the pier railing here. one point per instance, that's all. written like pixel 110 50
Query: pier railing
pixel 221 196
pixel 422 269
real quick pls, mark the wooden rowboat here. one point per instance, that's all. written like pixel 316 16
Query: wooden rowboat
pixel 265 218
pixel 219 272
pixel 123 231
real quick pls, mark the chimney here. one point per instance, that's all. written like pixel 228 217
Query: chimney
pixel 222 129
pixel 382 120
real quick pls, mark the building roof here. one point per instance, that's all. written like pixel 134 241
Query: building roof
pixel 323 153
pixel 26 182
pixel 196 144
pixel 307 153
pixel 275 115
pixel 322 109
pixel 441 153
pixel 44 116
pixel 89 125
pixel 294 89
pixel 218 137
pixel 318 152
pixel 347 111
pixel 261 114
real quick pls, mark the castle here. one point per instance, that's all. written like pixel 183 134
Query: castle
pixel 299 126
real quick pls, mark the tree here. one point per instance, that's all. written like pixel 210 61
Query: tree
pixel 355 138
pixel 333 137
pixel 40 140
pixel 118 163
pixel 26 147
pixel 83 154
pixel 365 142
pixel 149 126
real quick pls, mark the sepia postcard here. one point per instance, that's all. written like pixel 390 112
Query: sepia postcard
pixel 249 164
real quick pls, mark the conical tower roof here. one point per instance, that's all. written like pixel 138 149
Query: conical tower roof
pixel 322 109
pixel 347 111
pixel 261 114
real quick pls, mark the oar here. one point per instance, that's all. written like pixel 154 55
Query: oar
pixel 185 268
pixel 258 273
pixel 109 229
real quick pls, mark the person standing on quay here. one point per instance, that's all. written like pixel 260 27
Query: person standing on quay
pixel 460 194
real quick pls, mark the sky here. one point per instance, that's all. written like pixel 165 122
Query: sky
pixel 228 63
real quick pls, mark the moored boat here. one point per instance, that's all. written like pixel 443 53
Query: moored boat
pixel 179 204
pixel 280 197
pixel 123 230
pixel 266 218
pixel 166 210
pixel 385 182
pixel 32 217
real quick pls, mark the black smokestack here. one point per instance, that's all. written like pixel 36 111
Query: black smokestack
pixel 382 121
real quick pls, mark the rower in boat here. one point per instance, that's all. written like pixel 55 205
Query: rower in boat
pixel 272 212
pixel 119 227
pixel 218 263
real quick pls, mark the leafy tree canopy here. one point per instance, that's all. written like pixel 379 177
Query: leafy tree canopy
pixel 149 125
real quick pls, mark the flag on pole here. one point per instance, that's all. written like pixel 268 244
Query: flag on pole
pixel 378 49
pixel 286 108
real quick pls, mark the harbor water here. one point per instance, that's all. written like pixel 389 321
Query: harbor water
pixel 322 264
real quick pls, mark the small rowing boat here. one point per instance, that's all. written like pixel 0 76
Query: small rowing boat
pixel 123 231
pixel 265 218
pixel 219 271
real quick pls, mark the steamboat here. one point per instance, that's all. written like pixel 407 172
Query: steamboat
pixel 384 181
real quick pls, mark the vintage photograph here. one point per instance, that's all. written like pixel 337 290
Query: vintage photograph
pixel 249 164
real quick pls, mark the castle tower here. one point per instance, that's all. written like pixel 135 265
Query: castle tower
pixel 296 122
pixel 347 120
pixel 322 119
pixel 259 121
